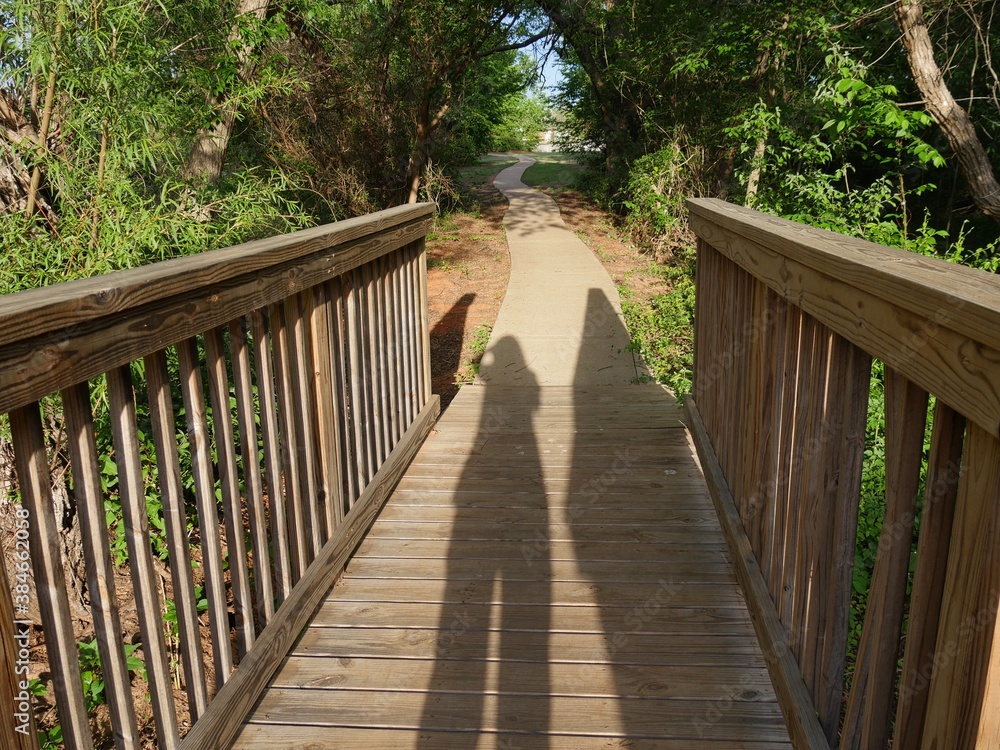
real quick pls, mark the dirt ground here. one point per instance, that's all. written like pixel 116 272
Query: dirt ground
pixel 468 269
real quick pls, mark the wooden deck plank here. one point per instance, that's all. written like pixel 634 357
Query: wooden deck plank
pixel 649 718
pixel 549 573
pixel 561 618
pixel 564 679
pixel 680 569
pixel 286 737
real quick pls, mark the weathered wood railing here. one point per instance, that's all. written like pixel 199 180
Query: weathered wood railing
pixel 316 345
pixel 788 319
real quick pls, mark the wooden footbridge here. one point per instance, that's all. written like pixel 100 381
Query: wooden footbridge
pixel 542 567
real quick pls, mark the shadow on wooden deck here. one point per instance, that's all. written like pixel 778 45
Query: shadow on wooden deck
pixel 550 573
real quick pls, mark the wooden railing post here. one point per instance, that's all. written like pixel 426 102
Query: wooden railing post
pixel 301 362
pixel 788 319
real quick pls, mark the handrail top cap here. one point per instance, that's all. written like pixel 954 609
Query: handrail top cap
pixel 37 311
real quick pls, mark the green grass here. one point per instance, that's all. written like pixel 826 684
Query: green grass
pixel 488 165
pixel 554 170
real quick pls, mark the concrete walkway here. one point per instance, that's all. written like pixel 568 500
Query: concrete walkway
pixel 561 321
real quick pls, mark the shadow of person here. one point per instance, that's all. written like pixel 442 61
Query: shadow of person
pixel 491 671
pixel 447 336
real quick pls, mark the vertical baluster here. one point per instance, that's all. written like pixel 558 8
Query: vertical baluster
pixel 338 292
pixel 850 383
pixel 391 350
pixel 324 396
pixel 245 415
pixel 937 516
pixel 413 324
pixel 225 449
pixel 298 544
pixel 89 500
pixel 355 364
pixel 208 515
pixel 398 369
pixel 272 455
pixel 406 335
pixel 17 723
pixel 175 522
pixel 136 522
pixel 299 310
pixel 381 324
pixel 50 584
pixel 425 329
pixel 373 390
pixel 868 717
pixel 964 684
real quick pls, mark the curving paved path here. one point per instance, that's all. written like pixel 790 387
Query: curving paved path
pixel 561 321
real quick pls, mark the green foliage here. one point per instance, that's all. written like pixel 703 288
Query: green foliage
pixel 662 330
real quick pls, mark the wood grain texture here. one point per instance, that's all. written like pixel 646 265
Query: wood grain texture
pixel 535 609
pixel 60 358
pixel 100 571
pixel 38 311
pixel 208 517
pixel 34 482
pixel 232 506
pixel 964 702
pixel 938 514
pixel 222 720
pixel 907 280
pixel 868 716
pixel 135 521
pixel 250 459
pixel 935 346
pixel 269 434
pixel 795 700
pixel 17 724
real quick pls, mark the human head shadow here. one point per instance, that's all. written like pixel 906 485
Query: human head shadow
pixel 446 337
pixel 491 669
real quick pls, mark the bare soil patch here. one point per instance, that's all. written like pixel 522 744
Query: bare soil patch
pixel 468 270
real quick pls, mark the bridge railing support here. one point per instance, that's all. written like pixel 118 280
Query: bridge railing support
pixel 788 319
pixel 285 384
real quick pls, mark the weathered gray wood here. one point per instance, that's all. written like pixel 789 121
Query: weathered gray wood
pixel 298 542
pixel 225 715
pixel 135 520
pixel 208 518
pixel 232 507
pixel 359 434
pixel 796 702
pixel 50 584
pixel 370 367
pixel 272 455
pixel 100 572
pixel 298 310
pixel 422 312
pixel 17 724
pixel 342 385
pixel 37 311
pixel 256 516
pixel 97 343
pixel 326 426
pixel 175 524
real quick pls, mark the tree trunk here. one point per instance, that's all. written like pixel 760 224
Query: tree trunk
pixel 949 115
pixel 208 154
